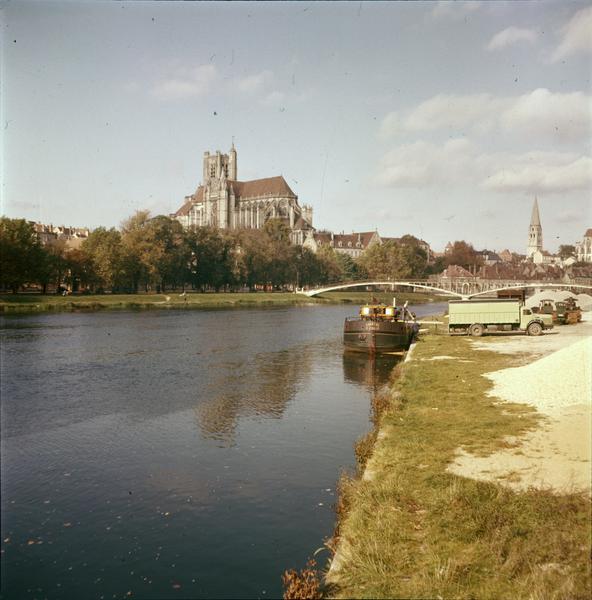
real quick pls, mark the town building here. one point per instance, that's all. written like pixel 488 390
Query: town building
pixel 51 234
pixel 506 256
pixel 352 244
pixel 489 257
pixel 222 201
pixel 584 248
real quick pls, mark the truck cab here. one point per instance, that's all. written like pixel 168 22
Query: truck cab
pixel 533 323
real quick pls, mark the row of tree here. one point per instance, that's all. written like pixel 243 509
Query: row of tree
pixel 156 253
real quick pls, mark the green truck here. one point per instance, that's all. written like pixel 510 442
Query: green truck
pixel 476 317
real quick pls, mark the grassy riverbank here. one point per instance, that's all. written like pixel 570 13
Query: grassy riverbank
pixel 14 303
pixel 413 530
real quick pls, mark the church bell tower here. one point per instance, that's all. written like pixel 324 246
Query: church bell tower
pixel 535 232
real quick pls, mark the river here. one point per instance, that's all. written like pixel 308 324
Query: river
pixel 174 454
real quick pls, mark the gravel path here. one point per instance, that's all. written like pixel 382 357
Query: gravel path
pixel 560 379
pixel 558 383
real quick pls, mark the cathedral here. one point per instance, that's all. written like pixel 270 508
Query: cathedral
pixel 221 200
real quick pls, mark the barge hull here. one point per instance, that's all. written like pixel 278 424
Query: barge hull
pixel 370 336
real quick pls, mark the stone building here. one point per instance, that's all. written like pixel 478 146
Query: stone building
pixel 51 234
pixel 352 244
pixel 584 248
pixel 221 200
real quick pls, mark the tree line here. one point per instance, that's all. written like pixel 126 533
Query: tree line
pixel 156 253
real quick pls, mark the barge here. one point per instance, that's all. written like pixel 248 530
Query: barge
pixel 380 328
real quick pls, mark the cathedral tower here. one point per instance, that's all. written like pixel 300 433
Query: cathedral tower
pixel 232 172
pixel 535 232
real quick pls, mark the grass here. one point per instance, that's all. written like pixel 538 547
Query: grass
pixel 413 530
pixel 20 302
pixel 10 303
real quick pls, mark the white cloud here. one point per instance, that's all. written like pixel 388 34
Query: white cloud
pixel 444 111
pixel 556 116
pixel 459 163
pixel 186 83
pixel 252 84
pixel 454 10
pixel 577 36
pixel 509 36
pixel 564 117
pixel 542 173
pixel 422 164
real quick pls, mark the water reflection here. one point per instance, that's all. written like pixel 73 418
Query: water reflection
pixel 372 371
pixel 263 385
pixel 145 449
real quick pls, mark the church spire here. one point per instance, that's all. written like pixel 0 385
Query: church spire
pixel 535 232
pixel 535 220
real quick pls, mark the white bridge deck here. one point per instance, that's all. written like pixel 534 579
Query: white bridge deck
pixel 427 285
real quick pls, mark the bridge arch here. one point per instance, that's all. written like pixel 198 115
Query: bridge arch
pixel 342 286
pixel 465 287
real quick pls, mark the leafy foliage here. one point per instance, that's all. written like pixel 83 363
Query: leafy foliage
pixel 155 254
pixel 21 255
pixel 464 255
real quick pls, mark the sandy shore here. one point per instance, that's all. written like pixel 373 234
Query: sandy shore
pixel 556 379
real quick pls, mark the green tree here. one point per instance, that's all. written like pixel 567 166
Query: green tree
pixel 53 266
pixel 464 255
pixel 104 250
pixel 254 256
pixel 330 265
pixel 21 255
pixel 135 247
pixel 395 260
pixel 308 268
pixel 566 250
pixel 375 260
pixel 281 267
pixel 211 258
pixel 350 269
pixel 158 248
pixel 79 271
pixel 168 256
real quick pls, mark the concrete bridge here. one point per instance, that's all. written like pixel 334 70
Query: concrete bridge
pixel 460 287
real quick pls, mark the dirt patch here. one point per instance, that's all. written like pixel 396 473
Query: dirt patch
pixel 559 385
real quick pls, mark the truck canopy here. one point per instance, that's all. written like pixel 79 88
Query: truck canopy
pixel 484 311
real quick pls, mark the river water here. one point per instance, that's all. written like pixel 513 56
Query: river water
pixel 174 454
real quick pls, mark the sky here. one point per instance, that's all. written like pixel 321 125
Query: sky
pixel 443 120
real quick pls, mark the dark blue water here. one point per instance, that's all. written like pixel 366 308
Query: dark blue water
pixel 174 454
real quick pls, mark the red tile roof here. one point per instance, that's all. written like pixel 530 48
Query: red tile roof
pixel 190 201
pixel 269 186
pixel 348 240
pixel 456 271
